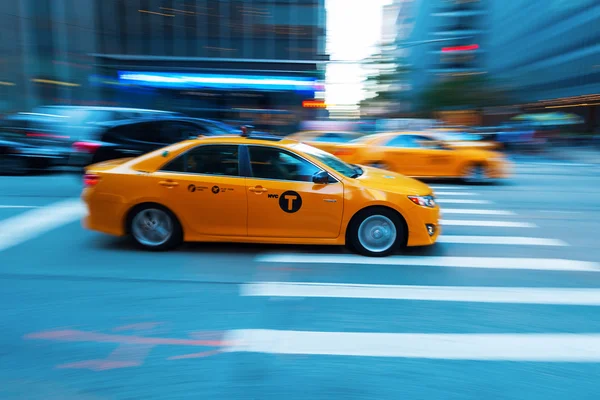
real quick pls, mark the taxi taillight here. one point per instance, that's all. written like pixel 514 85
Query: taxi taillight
pixel 91 179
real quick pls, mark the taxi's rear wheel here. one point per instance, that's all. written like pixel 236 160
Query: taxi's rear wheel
pixel 475 174
pixel 376 232
pixel 154 227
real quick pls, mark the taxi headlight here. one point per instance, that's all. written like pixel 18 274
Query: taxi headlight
pixel 423 201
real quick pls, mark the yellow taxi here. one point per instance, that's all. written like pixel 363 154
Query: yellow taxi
pixel 462 139
pixel 324 140
pixel 260 190
pixel 419 154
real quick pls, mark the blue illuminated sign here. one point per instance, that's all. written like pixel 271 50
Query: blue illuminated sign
pixel 177 80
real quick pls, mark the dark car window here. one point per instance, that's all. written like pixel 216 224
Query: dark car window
pixel 277 164
pixel 207 159
pixel 176 131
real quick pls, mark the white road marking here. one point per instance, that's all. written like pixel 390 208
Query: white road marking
pixel 435 187
pixel 498 224
pixel 507 295
pixel 542 264
pixel 511 240
pixel 455 194
pixel 30 224
pixel 9 206
pixel 475 211
pixel 565 347
pixel 462 201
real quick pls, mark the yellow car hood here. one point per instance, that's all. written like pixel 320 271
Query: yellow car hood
pixel 375 178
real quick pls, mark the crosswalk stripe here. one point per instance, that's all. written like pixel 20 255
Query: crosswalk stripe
pixel 541 347
pixel 507 295
pixel 435 187
pixel 543 264
pixel 487 223
pixel 475 211
pixel 462 201
pixel 456 194
pixel 511 240
pixel 33 223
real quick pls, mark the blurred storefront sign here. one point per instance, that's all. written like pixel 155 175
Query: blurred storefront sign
pixel 460 117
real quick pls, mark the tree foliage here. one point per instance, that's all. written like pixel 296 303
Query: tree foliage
pixel 467 92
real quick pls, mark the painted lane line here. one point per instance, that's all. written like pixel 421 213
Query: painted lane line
pixel 435 187
pixel 510 240
pixel 462 201
pixel 579 348
pixel 456 194
pixel 507 295
pixel 498 224
pixel 31 224
pixel 475 211
pixel 10 206
pixel 542 264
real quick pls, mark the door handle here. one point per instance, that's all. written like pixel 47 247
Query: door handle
pixel 258 189
pixel 168 183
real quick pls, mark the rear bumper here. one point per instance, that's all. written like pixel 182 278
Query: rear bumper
pixel 106 213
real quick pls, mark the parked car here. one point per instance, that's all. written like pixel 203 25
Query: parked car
pixel 132 138
pixel 21 158
pixel 52 130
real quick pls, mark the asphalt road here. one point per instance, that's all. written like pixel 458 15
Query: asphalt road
pixel 504 307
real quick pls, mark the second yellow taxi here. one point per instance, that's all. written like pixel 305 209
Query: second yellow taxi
pixel 423 155
pixel 262 190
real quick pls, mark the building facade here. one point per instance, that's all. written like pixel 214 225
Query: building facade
pixel 552 60
pixel 195 54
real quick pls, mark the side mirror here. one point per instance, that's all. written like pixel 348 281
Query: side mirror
pixel 321 177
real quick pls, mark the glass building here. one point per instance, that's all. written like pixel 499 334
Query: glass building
pixel 549 51
pixel 198 55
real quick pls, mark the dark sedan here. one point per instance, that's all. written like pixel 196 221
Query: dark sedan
pixel 131 138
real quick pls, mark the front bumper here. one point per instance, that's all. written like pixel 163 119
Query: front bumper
pixel 418 220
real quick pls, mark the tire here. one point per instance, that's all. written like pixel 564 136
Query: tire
pixel 144 224
pixel 14 166
pixel 368 224
pixel 475 174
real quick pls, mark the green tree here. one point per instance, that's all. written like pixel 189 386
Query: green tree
pixel 385 77
pixel 466 92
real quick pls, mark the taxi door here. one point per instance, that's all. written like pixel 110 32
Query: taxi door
pixel 284 202
pixel 438 161
pixel 205 190
pixel 403 155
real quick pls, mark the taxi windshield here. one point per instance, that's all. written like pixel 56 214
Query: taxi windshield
pixel 330 160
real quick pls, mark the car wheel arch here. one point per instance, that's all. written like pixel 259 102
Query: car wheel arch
pixel 131 213
pixel 373 208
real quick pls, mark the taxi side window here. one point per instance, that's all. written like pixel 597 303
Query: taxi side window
pixel 277 164
pixel 403 141
pixel 210 160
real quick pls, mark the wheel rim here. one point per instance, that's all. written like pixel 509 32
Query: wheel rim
pixel 152 227
pixel 377 233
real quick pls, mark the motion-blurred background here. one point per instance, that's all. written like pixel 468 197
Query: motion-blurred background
pixel 521 72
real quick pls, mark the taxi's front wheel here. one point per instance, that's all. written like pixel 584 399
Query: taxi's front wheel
pixel 376 232
pixel 154 227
